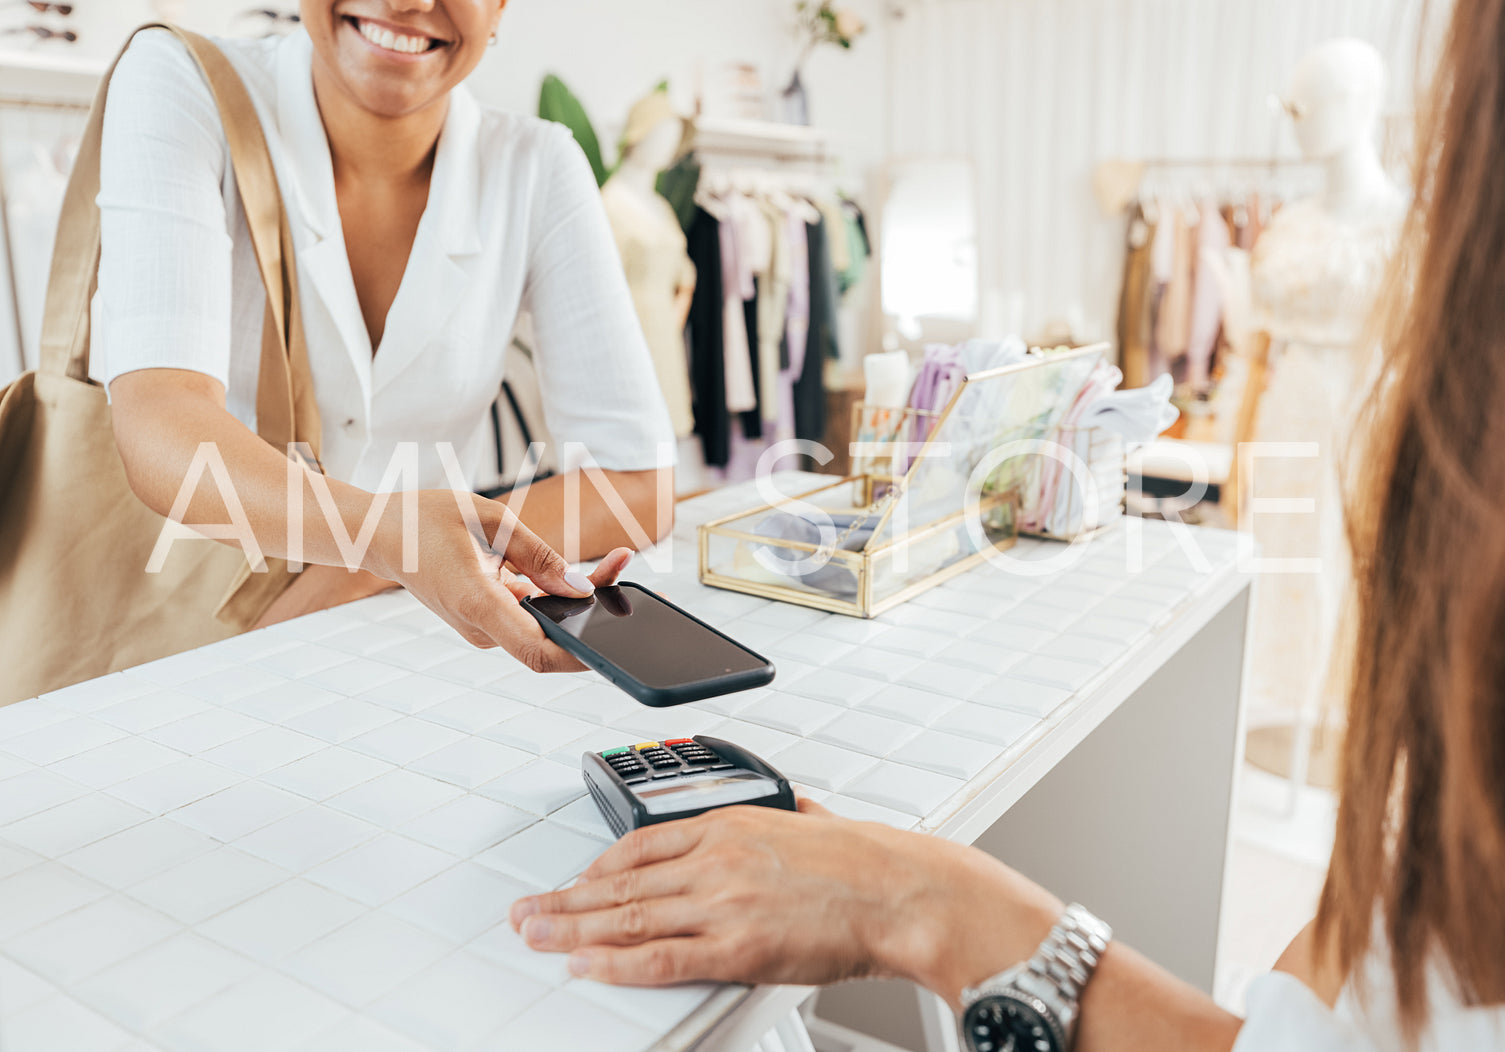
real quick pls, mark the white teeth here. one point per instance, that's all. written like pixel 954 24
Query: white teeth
pixel 385 38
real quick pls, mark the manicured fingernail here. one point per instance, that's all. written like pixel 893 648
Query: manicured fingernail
pixel 579 582
pixel 522 909
pixel 580 965
pixel 535 930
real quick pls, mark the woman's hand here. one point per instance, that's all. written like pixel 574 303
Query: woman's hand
pixel 757 895
pixel 452 555
pixel 475 564
pixel 752 894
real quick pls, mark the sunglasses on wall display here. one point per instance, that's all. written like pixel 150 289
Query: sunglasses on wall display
pixel 267 21
pixel 271 14
pixel 45 7
pixel 44 33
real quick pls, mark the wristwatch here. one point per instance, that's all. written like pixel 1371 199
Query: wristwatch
pixel 1033 1006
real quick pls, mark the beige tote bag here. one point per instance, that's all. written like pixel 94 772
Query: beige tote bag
pixel 75 598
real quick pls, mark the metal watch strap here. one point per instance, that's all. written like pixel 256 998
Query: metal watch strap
pixel 1070 954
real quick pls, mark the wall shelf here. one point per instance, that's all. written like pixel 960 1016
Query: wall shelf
pixel 38 77
pixel 724 139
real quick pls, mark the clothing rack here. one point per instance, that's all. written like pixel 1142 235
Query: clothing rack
pixel 756 156
pixel 1177 209
pixel 1121 183
pixel 791 170
pixel 1273 164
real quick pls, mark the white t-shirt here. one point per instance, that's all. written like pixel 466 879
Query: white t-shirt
pixel 514 222
pixel 1284 1015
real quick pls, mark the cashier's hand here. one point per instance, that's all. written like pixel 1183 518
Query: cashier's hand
pixel 757 895
pixel 475 573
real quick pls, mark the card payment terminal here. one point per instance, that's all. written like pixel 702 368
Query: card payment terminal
pixel 651 782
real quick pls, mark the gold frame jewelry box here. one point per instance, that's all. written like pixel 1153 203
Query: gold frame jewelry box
pixel 860 583
pixel 933 494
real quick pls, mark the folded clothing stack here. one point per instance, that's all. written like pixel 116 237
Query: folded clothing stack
pixel 1082 489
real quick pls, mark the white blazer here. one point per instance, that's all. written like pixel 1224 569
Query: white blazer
pixel 514 222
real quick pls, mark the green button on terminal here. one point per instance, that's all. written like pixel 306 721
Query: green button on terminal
pixel 616 752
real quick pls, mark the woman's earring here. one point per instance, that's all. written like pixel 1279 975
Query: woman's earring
pixel 493 41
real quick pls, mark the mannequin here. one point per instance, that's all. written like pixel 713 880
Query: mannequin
pixel 1320 262
pixel 653 246
pixel 1335 99
pixel 1316 271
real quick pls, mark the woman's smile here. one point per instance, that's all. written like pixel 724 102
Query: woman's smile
pixel 399 43
pixel 393 58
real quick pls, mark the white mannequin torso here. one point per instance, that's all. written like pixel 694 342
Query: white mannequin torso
pixel 659 273
pixel 1314 275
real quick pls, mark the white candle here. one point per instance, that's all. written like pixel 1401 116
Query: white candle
pixel 888 379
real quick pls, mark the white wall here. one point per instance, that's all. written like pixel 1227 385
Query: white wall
pixel 1037 92
pixel 610 53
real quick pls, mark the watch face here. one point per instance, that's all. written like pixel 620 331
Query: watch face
pixel 1003 1024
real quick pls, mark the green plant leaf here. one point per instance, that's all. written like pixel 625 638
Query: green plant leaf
pixel 557 103
pixel 677 185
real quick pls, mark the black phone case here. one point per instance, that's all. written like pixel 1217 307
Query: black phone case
pixel 659 697
pixel 624 811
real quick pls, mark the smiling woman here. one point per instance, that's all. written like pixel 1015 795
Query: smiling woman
pixel 422 226
pixel 393 59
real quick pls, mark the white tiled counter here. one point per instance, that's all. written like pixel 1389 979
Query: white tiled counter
pixel 309 836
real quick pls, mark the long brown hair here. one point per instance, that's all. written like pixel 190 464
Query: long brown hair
pixel 1421 825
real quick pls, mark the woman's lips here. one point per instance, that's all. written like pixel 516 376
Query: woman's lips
pixel 394 41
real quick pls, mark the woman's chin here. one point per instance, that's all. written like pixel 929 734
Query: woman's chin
pixel 391 89
pixel 386 96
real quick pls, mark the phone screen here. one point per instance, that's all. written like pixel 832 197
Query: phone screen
pixel 646 637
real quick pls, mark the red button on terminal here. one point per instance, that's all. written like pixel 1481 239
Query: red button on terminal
pixel 680 741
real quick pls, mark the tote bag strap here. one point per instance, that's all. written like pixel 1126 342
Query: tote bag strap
pixel 286 409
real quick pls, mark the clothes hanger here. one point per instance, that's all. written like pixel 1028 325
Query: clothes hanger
pixel 1239 194
pixel 710 189
pixel 803 207
pixel 1202 191
pixel 1149 200
pixel 1191 204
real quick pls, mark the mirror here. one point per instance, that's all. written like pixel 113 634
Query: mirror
pixel 929 249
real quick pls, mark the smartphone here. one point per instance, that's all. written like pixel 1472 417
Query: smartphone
pixel 647 646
